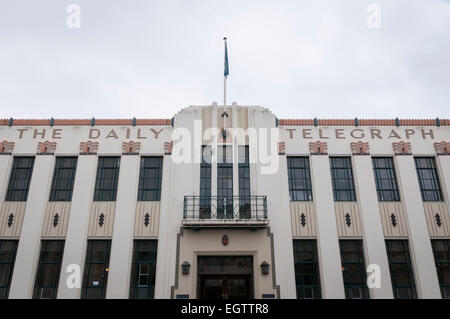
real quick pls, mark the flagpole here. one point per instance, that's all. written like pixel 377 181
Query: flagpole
pixel 225 76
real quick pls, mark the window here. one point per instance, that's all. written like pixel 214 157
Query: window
pixel 19 181
pixel 224 182
pixel 96 269
pixel 49 269
pixel 205 183
pixel 428 179
pixel 107 179
pixel 244 183
pixel 441 251
pixel 353 269
pixel 342 179
pixel 299 177
pixel 8 250
pixel 150 179
pixel 143 269
pixel 63 178
pixel 402 276
pixel 306 266
pixel 385 180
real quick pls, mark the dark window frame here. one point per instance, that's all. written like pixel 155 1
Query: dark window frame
pixel 342 194
pixel 45 263
pixel 145 252
pixel 433 193
pixel 7 264
pixel 384 174
pixel 102 192
pixel 21 171
pixel 305 247
pixel 299 166
pixel 442 265
pixel 225 182
pixel 89 268
pixel 59 193
pixel 150 172
pixel 205 183
pixel 405 265
pixel 353 269
pixel 244 182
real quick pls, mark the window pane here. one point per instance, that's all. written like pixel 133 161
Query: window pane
pixel 19 181
pixel 107 179
pixel 63 179
pixel 342 179
pixel 306 269
pixel 428 179
pixel 143 271
pixel 299 178
pixel 353 269
pixel 441 252
pixel 8 250
pixel 96 269
pixel 150 177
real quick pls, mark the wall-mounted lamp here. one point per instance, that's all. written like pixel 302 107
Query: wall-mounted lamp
pixel 265 268
pixel 185 268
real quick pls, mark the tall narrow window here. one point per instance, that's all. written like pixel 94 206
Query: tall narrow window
pixel 8 250
pixel 224 182
pixel 441 251
pixel 96 269
pixel 63 178
pixel 150 178
pixel 143 269
pixel 402 275
pixel 385 180
pixel 205 183
pixel 244 183
pixel 49 269
pixel 107 179
pixel 19 181
pixel 299 177
pixel 342 179
pixel 353 269
pixel 428 179
pixel 306 265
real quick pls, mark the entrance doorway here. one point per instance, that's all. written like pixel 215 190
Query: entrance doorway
pixel 225 277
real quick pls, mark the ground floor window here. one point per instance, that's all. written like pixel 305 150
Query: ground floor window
pixel 441 251
pixel 402 275
pixel 353 269
pixel 96 269
pixel 49 269
pixel 307 279
pixel 8 250
pixel 143 269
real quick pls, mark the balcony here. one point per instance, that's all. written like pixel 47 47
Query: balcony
pixel 218 212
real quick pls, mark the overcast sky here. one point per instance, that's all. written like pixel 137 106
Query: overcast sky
pixel 300 59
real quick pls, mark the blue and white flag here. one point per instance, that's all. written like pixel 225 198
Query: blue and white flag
pixel 226 71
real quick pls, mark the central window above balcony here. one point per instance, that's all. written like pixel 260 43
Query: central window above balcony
pixel 225 211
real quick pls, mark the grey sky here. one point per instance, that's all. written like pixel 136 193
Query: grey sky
pixel 300 59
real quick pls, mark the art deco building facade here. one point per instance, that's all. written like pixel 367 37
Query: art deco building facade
pixel 174 208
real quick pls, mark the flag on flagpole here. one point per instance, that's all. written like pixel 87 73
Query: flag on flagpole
pixel 226 71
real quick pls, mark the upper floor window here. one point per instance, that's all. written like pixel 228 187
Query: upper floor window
pixel 150 179
pixel 342 179
pixel 107 179
pixel 244 183
pixel 63 178
pixel 385 180
pixel 205 183
pixel 299 177
pixel 19 181
pixel 428 179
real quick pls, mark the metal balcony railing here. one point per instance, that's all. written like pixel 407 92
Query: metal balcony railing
pixel 225 208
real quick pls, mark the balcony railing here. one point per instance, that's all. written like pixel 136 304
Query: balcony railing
pixel 220 210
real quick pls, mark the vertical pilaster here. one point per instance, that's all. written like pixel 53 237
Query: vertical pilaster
pixel 77 229
pixel 122 240
pixel 373 230
pixel 5 170
pixel 22 282
pixel 328 243
pixel 421 251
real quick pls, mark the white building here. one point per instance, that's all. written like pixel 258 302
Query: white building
pixel 295 208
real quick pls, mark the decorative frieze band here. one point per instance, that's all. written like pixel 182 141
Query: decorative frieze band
pixel 131 148
pixel 46 148
pixel 360 148
pixel 442 148
pixel 88 148
pixel 402 148
pixel 6 148
pixel 318 148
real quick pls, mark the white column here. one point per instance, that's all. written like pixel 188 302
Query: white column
pixel 30 238
pixel 77 229
pixel 328 242
pixel 122 240
pixel 371 222
pixel 421 251
pixel 5 170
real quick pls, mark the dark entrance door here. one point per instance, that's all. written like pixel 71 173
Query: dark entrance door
pixel 225 277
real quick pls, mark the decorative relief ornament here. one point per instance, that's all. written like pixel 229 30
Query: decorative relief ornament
pixel 442 148
pixel 6 148
pixel 46 148
pixel 402 148
pixel 360 148
pixel 131 148
pixel 168 146
pixel 281 148
pixel 318 148
pixel 88 148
